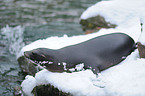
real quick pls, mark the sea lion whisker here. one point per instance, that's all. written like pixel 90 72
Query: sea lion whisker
pixel 43 56
pixel 34 62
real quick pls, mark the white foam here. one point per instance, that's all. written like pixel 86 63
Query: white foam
pixel 14 38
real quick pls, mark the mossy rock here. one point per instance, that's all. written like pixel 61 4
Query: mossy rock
pixel 94 24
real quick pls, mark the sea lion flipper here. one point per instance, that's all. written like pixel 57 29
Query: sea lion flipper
pixel 93 66
pixel 95 70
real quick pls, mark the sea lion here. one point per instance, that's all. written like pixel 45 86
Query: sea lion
pixel 98 53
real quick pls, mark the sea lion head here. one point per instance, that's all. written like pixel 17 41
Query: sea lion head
pixel 45 58
pixel 39 54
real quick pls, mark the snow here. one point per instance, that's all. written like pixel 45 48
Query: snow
pixel 124 13
pixel 124 79
pixel 28 84
pixel 70 82
pixel 79 67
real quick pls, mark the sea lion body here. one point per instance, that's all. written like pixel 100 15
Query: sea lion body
pixel 98 53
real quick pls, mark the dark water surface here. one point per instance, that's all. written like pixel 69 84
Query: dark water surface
pixel 24 21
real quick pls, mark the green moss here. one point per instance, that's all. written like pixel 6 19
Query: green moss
pixel 96 23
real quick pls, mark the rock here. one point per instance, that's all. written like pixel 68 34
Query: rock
pixel 141 49
pixel 29 67
pixel 17 91
pixel 48 90
pixel 2 45
pixel 94 24
pixel 42 90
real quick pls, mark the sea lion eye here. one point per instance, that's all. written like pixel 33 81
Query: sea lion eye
pixel 34 53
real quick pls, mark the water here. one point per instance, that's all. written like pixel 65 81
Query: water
pixel 24 21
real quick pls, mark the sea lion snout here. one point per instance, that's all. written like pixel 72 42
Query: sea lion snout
pixel 27 54
pixel 35 55
pixel 31 55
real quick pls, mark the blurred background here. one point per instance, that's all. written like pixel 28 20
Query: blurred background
pixel 24 21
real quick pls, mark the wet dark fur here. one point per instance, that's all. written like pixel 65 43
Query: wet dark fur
pixel 99 53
